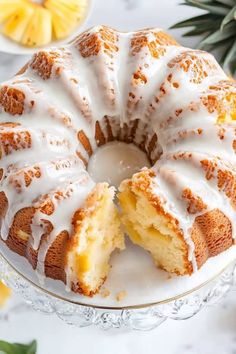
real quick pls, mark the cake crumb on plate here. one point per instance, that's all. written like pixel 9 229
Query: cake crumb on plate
pixel 121 295
pixel 105 293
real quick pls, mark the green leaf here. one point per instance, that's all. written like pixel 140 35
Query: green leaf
pixel 194 32
pixel 211 47
pixel 225 47
pixel 230 54
pixel 7 348
pixel 217 27
pixel 203 29
pixel 197 21
pixel 219 36
pixel 229 3
pixel 17 348
pixel 32 348
pixel 229 17
pixel 233 66
pixel 213 9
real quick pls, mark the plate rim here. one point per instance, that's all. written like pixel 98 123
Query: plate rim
pixel 117 308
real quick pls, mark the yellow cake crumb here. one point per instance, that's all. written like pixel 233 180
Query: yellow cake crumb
pixel 105 293
pixel 121 295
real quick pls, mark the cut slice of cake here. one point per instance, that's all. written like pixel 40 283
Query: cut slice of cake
pixel 153 226
pixel 150 227
pixel 97 235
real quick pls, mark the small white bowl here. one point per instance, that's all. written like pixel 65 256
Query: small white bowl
pixel 11 47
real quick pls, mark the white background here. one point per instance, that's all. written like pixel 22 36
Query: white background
pixel 212 331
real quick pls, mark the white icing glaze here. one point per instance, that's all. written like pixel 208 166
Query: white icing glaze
pixel 74 195
pixel 128 160
pixel 84 89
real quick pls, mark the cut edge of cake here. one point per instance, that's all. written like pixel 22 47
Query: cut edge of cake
pixel 160 233
pixel 97 233
pixel 154 230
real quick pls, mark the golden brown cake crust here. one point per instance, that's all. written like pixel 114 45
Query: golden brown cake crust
pixel 43 63
pixel 211 234
pixel 12 100
pixel 90 44
pixel 211 231
pixel 19 241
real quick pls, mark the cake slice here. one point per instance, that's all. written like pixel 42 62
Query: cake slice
pixel 155 228
pixel 148 226
pixel 97 234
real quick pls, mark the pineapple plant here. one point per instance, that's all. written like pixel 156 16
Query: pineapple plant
pixel 217 26
pixel 37 23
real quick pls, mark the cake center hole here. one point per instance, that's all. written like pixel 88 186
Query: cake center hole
pixel 115 162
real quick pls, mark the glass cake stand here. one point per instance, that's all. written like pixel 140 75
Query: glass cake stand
pixel 143 317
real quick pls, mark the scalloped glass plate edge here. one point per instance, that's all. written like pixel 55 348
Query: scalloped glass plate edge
pixel 145 318
pixel 4 262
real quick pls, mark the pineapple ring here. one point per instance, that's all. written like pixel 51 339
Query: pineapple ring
pixel 37 23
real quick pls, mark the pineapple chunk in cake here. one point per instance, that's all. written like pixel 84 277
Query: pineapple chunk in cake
pixel 148 227
pixel 97 235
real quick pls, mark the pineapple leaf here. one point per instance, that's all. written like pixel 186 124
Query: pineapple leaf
pixel 204 28
pixel 196 21
pixel 233 66
pixel 217 26
pixel 219 36
pixel 212 47
pixel 229 17
pixel 229 3
pixel 225 47
pixel 230 54
pixel 213 9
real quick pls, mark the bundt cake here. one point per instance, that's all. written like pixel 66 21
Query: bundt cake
pixel 141 88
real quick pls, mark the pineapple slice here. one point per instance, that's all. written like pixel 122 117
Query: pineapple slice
pixel 7 8
pixel 61 27
pixel 17 23
pixel 77 6
pixel 4 294
pixel 65 15
pixel 34 24
pixel 39 28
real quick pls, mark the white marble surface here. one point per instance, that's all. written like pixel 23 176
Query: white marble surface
pixel 212 331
